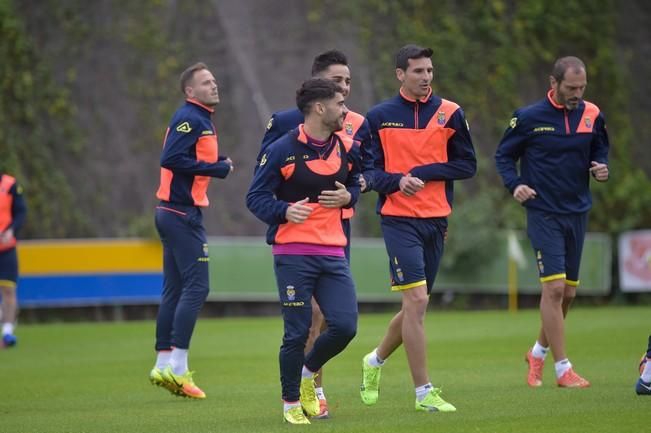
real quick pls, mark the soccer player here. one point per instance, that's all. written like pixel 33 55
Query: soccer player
pixel 643 385
pixel 190 157
pixel 12 217
pixel 560 142
pixel 420 144
pixel 303 181
pixel 331 65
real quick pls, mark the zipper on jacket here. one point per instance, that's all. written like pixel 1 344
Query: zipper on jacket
pixel 567 121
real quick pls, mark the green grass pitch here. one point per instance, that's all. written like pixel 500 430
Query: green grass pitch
pixel 86 378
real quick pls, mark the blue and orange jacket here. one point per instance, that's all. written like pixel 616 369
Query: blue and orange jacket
pixel 190 156
pixel 428 138
pixel 555 147
pixel 12 208
pixel 293 168
pixel 281 122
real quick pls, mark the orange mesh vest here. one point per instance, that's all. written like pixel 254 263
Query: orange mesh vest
pixel 307 178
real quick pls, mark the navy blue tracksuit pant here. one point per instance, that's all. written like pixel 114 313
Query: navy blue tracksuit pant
pixel 328 279
pixel 185 274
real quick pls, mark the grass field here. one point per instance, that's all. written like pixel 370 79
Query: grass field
pixel 85 378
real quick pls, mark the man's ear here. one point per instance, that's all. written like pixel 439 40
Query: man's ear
pixel 400 75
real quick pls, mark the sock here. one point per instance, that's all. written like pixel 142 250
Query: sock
pixel 163 358
pixel 648 349
pixel 319 393
pixel 7 328
pixel 179 360
pixel 287 405
pixel 539 351
pixel 646 373
pixel 306 374
pixel 422 391
pixel 562 366
pixel 374 360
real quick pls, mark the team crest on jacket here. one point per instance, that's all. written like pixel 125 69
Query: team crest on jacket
pixel 205 250
pixel 291 293
pixel 588 122
pixel 349 128
pixel 441 118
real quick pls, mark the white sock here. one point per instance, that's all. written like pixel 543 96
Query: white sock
pixel 163 358
pixel 422 391
pixel 374 360
pixel 539 351
pixel 179 360
pixel 306 374
pixel 319 393
pixel 289 405
pixel 646 373
pixel 562 366
pixel 7 328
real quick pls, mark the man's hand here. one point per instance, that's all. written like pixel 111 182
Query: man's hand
pixel 6 236
pixel 599 171
pixel 230 162
pixel 523 193
pixel 298 212
pixel 339 197
pixel 410 185
pixel 362 183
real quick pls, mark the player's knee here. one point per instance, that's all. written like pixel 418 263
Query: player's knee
pixel 295 339
pixel 569 293
pixel 200 290
pixel 415 300
pixel 554 291
pixel 7 291
pixel 346 329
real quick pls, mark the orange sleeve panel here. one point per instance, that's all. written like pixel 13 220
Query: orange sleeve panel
pixel 352 123
pixel 166 176
pixel 207 151
pixel 164 189
pixel 287 171
pixel 589 116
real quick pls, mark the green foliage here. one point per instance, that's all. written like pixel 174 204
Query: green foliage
pixel 36 133
pixel 492 57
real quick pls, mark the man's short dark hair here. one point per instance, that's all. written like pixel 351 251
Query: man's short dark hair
pixel 313 90
pixel 563 64
pixel 188 74
pixel 324 60
pixel 411 51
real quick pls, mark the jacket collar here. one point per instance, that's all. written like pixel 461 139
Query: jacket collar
pixel 550 98
pixel 195 102
pixel 423 99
